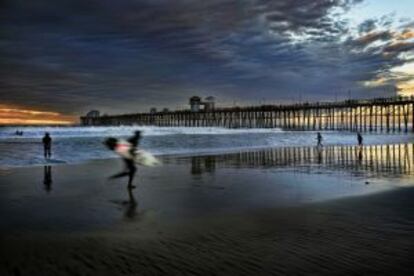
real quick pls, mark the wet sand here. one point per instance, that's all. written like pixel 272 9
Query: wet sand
pixel 270 212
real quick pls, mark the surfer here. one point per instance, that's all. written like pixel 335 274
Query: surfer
pixel 47 145
pixel 127 150
pixel 360 139
pixel 319 139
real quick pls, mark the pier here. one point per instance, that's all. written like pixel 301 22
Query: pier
pixel 374 115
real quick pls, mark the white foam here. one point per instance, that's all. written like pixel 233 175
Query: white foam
pixel 38 132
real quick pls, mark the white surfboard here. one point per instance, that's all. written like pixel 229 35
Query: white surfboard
pixel 145 158
pixel 142 157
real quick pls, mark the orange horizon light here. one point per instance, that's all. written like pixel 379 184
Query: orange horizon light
pixel 22 116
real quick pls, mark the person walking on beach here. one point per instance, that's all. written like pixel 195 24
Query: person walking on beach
pixel 127 150
pixel 47 145
pixel 319 139
pixel 360 139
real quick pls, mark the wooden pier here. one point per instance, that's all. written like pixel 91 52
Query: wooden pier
pixel 379 115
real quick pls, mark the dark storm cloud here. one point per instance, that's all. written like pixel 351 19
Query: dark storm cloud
pixel 371 37
pixel 399 47
pixel 126 55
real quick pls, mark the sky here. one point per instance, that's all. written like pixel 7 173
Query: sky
pixel 60 59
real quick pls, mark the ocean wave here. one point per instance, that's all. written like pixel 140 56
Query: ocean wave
pixel 72 132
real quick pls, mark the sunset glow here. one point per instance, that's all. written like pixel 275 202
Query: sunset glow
pixel 406 89
pixel 19 116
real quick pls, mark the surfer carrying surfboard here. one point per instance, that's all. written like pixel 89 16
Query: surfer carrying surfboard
pixel 127 150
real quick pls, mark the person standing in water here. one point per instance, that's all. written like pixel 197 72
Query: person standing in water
pixel 127 150
pixel 47 145
pixel 319 139
pixel 360 139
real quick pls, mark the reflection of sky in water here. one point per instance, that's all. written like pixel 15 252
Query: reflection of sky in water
pixel 79 197
pixel 394 160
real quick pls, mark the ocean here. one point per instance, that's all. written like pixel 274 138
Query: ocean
pixel 81 144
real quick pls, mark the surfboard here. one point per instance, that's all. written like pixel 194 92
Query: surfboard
pixel 142 157
pixel 145 158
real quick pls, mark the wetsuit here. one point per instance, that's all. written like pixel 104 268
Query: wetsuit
pixel 47 146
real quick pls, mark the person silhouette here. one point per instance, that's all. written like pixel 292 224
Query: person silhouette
pixel 360 139
pixel 47 145
pixel 319 139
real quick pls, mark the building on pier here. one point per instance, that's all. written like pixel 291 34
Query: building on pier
pixel 197 105
pixel 90 117
pixel 209 103
pixel 93 114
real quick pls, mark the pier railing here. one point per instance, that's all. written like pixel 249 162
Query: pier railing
pixel 382 114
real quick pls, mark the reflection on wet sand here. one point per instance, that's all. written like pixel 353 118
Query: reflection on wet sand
pixel 205 164
pixel 397 159
pixel 130 205
pixel 47 178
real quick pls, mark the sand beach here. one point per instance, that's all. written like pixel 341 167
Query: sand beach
pixel 265 212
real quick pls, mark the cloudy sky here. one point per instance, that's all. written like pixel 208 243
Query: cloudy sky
pixel 66 57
